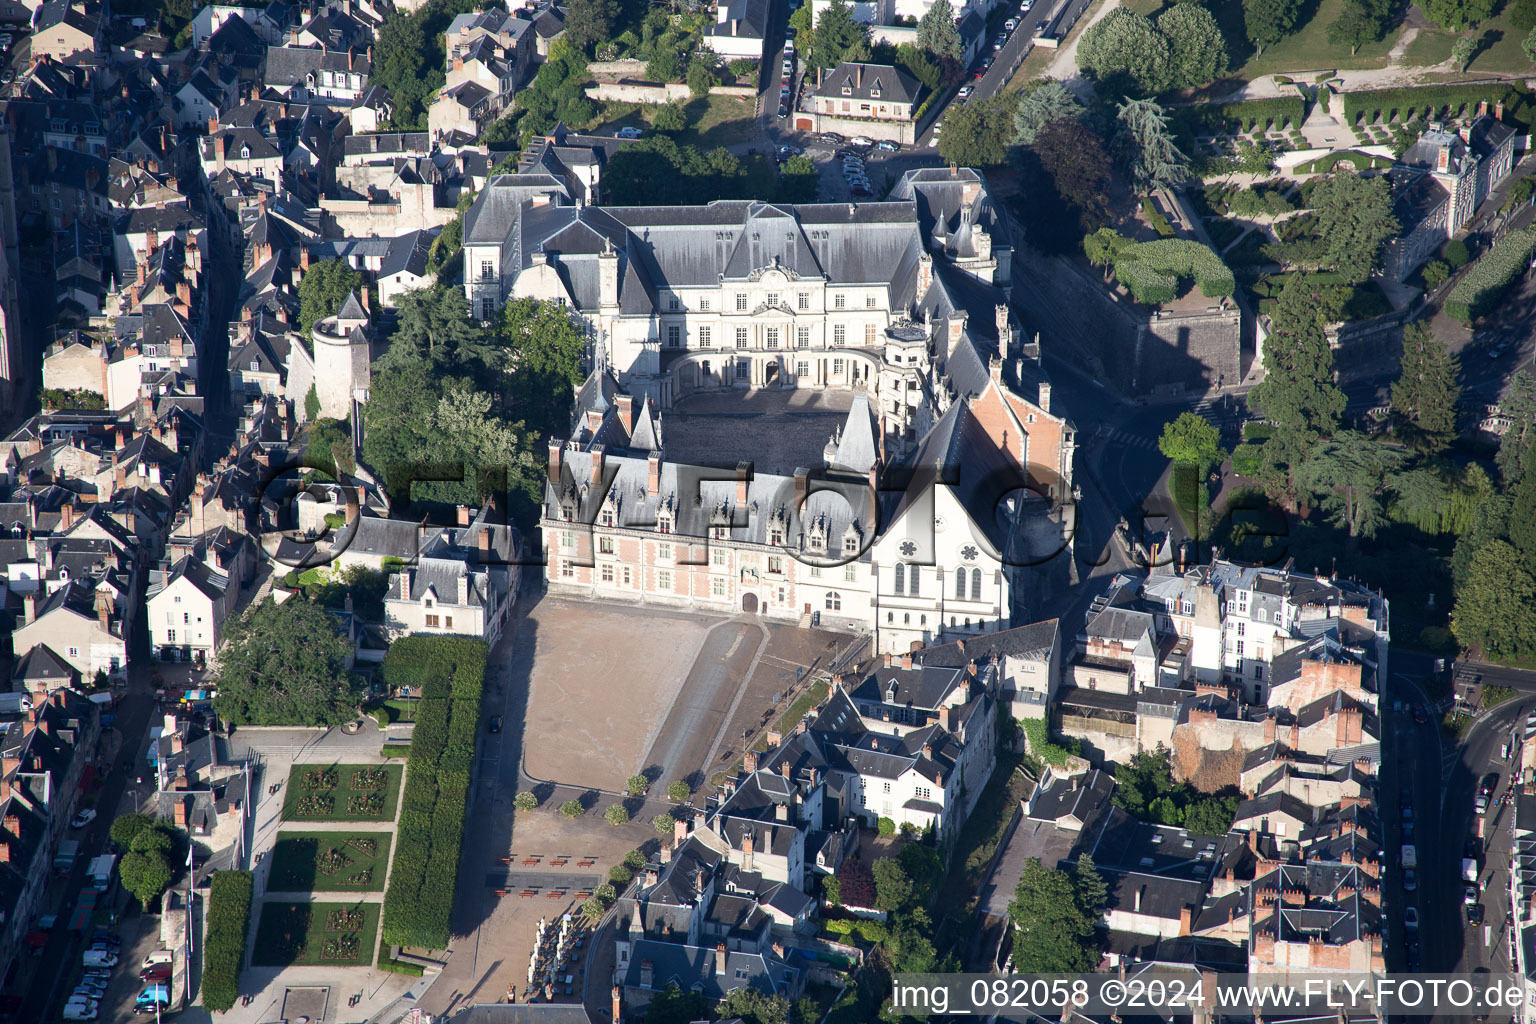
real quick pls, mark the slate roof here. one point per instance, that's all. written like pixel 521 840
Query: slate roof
pixel 408 254
pixel 287 66
pixel 878 82
pixel 1033 640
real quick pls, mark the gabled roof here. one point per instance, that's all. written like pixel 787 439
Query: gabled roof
pixel 880 82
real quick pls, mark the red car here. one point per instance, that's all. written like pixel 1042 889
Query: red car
pixel 1419 716
pixel 156 972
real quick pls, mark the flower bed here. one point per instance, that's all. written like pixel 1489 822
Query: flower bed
pixel 342 792
pixel 329 934
pixel 328 862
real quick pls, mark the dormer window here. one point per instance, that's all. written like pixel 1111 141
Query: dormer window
pixel 428 602
pixel 775 537
pixel 850 544
pixel 847 91
pixel 663 523
pixel 874 94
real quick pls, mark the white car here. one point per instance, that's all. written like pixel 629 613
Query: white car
pixel 80 1011
pixel 861 140
pixel 1011 24
pixel 84 818
pixel 965 93
pixel 159 956
pixel 98 958
pixel 628 132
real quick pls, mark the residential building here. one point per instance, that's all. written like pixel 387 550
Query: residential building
pixel 83 625
pixel 740 29
pixel 462 581
pixel 188 602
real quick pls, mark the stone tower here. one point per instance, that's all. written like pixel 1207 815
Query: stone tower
pixel 343 353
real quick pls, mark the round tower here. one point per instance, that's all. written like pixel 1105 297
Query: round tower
pixel 342 358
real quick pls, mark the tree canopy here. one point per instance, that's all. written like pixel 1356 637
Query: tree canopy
pixel 1155 159
pixel 1298 394
pixel 1269 21
pixel 1127 54
pixel 977 134
pixel 322 290
pixel 1458 15
pixel 1197 49
pixel 657 171
pixel 1191 440
pixel 1360 22
pixel 1348 474
pixel 1054 915
pixel 1354 220
pixel 936 31
pixel 1426 392
pixel 285 664
pixel 1494 611
pixel 1049 101
pixel 836 32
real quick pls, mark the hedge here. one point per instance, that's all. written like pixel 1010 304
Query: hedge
pixel 1494 271
pixel 449 672
pixel 1247 459
pixel 1217 118
pixel 1428 102
pixel 1359 161
pixel 1151 270
pixel 396 750
pixel 228 916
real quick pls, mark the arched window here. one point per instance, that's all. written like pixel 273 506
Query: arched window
pixel 917 574
pixel 975 584
pixel 900 576
pixel 959 582
pixel 834 601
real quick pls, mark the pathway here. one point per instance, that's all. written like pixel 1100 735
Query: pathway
pixel 1063 66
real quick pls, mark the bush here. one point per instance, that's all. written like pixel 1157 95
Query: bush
pixel 525 801
pixel 1456 253
pixel 1158 222
pixel 1151 270
pixel 701 78
pixel 1495 270
pixel 450 675
pixel 620 875
pixel 1247 459
pixel 571 808
pixel 1429 102
pixel 228 917
pixel 886 827
pixel 1221 118
pixel 664 824
pixel 670 117
pixel 617 815
pixel 678 791
pixel 637 785
pixel 1040 746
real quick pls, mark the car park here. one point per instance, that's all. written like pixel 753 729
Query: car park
pixel 84 818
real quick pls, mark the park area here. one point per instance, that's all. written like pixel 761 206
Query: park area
pixel 317 934
pixel 342 792
pixel 329 862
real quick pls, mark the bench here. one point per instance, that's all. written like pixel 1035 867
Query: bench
pixel 585 863
pixel 528 892
pixel 558 863
pixel 530 861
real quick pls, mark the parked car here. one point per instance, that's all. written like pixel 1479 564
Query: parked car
pixel 862 140
pixel 156 972
pixel 1469 894
pixel 629 132
pixel 965 93
pixel 783 110
pixel 495 723
pixel 80 1011
pixel 154 998
pixel 1011 24
pixel 1474 913
pixel 999 42
pixel 830 138
pixel 84 818
pixel 860 190
pixel 99 958
pixel 89 990
pixel 1410 880
pixel 1419 716
pixel 159 956
pixel 1411 917
pixel 887 146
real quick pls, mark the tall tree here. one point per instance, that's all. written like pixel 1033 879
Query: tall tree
pixel 1052 933
pixel 754 1007
pixel 893 887
pixel 1074 158
pixel 589 22
pixel 1298 394
pixel 1462 52
pixel 1495 609
pixel 1458 15
pixel 976 134
pixel 1518 405
pixel 1360 22
pixel 1425 393
pixel 1348 474
pixel 285 664
pixel 1088 888
pixel 1149 147
pixel 1522 520
pixel 322 290
pixel 1269 21
pixel 548 350
pixel 1354 220
pixel 836 31
pixel 1191 440
pixel 1047 102
pixel 799 180
pixel 936 31
pixel 1127 54
pixel 1197 50
pixel 1522 15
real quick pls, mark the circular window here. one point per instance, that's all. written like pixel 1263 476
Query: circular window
pixel 908 549
pixel 969 553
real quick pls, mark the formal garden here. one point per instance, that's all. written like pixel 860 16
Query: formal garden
pixel 316 934
pixel 342 792
pixel 329 862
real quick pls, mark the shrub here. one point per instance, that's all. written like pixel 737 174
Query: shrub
pixel 1428 102
pixel 634 860
pixel 664 824
pixel 1151 270
pixel 1494 271
pixel 678 791
pixel 620 875
pixel 571 808
pixel 450 674
pixel 701 78
pixel 1456 253
pixel 637 785
pixel 525 801
pixel 886 827
pixel 617 815
pixel 228 917
pixel 1219 118
pixel 1247 459
pixel 670 117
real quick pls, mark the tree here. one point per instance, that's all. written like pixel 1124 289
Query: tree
pixel 753 1006
pixel 1088 888
pixel 663 824
pixel 1074 159
pixel 1197 51
pixel 617 815
pixel 674 1006
pixel 1154 158
pixel 146 874
pixel 311 404
pixel 1360 22
pixel 1211 816
pixel 1354 220
pixel 831 890
pixel 936 31
pixel 920 65
pixel 322 290
pixel 1522 15
pixel 835 33
pixel 857 883
pixel 977 134
pixel 908 947
pixel 589 22
pixel 893 888
pixel 799 180
pixel 1495 609
pixel 1425 394
pixel 678 791
pixel 571 808
pixel 1515 445
pixel 1348 474
pixel 1269 21
pixel 1298 394
pixel 670 117
pixel 1037 108
pixel 126 827
pixel 1126 53
pixel 1522 519
pixel 1435 274
pixel 1191 440
pixel 285 664
pixel 1462 52
pixel 637 785
pixel 923 867
pixel 1528 44
pixel 701 77
pixel 525 801
pixel 1457 15
pixel 1052 932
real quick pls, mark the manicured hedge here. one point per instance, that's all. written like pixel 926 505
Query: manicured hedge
pixel 1151 270
pixel 1480 288
pixel 1262 115
pixel 449 672
pixel 228 918
pixel 1428 102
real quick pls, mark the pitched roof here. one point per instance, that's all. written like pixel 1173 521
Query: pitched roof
pixel 870 82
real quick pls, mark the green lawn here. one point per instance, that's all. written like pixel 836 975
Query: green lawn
pixel 321 934
pixel 1498 51
pixel 319 792
pixel 329 861
pixel 712 121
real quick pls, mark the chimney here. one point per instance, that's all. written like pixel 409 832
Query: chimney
pixel 1482 109
pixel 1185 920
pixel 617 1005
pixel 556 456
pixel 749 762
pixel 597 466
pixel 774 737
pixel 1044 401
pixel 626 408
pixel 720 959
pixel 748 846
pixel 906 660
pixel 802 487
pixel 28 608
pixel 653 474
pixel 1269 729
pixel 679 831
pixel 1443 160
pixel 1498 110
pixel 743 478
pixel 1295 735
pixel 67 516
pixel 784 769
